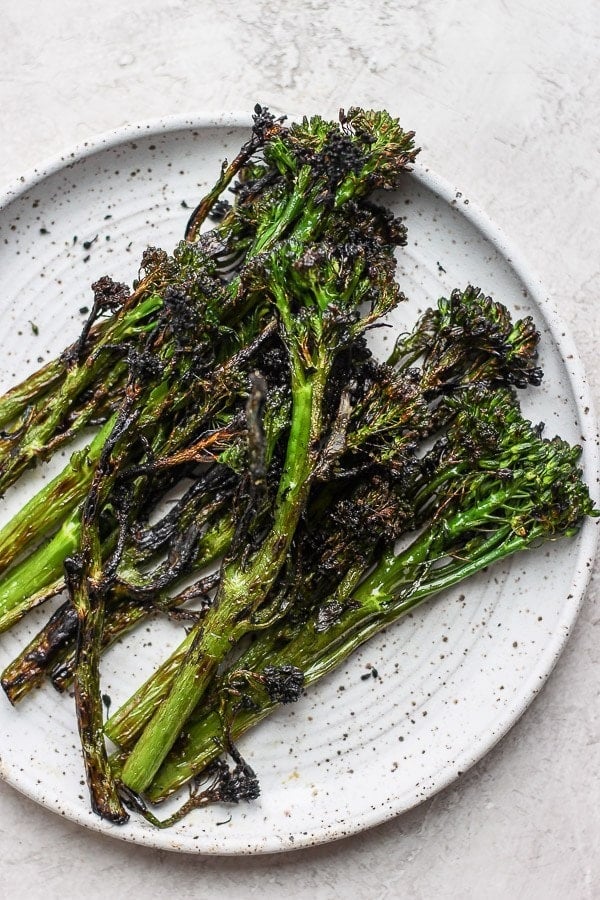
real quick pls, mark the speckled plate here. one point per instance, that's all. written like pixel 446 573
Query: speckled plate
pixel 451 679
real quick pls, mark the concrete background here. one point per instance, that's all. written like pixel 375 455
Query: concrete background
pixel 504 95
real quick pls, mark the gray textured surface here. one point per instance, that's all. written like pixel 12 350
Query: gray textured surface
pixel 504 98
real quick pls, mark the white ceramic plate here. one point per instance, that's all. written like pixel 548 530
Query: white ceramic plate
pixel 452 678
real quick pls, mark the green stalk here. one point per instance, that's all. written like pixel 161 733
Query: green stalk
pixel 15 401
pixel 21 588
pixel 242 588
pixel 88 602
pixel 48 507
pixel 51 651
pixel 28 669
pixel 316 653
pixel 88 587
pixel 125 725
pixel 228 173
pixel 52 412
pixel 297 201
pixel 39 384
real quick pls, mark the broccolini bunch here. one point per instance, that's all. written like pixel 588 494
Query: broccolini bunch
pixel 237 372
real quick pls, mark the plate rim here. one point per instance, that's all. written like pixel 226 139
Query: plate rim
pixel 587 537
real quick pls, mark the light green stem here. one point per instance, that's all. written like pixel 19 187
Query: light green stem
pixel 242 588
pixel 49 506
pixel 40 570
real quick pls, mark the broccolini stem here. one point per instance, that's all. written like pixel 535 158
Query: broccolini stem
pixel 15 402
pixel 242 588
pixel 294 208
pixel 51 652
pixel 29 668
pixel 315 652
pixel 120 619
pixel 264 124
pixel 52 413
pixel 29 580
pixel 125 724
pixel 88 584
pixel 90 610
pixel 48 507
